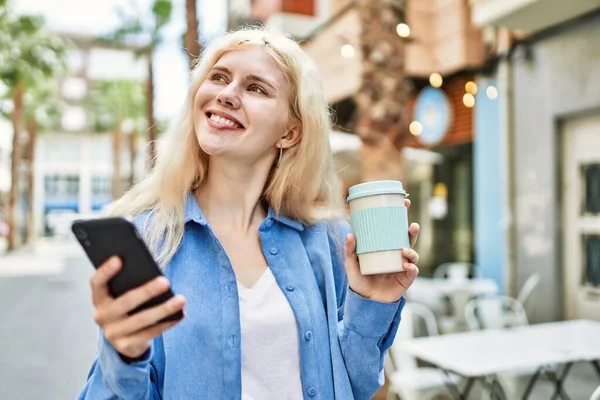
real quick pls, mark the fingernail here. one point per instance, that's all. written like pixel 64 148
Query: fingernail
pixel 114 262
pixel 161 282
pixel 178 300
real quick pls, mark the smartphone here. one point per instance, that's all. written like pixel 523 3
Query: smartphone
pixel 103 238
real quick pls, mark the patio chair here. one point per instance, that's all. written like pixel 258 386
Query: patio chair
pixel 500 312
pixel 527 290
pixel 495 312
pixel 596 394
pixel 457 270
pixel 407 379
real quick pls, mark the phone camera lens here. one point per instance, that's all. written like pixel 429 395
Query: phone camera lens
pixel 81 234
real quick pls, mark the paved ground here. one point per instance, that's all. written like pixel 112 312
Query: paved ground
pixel 48 338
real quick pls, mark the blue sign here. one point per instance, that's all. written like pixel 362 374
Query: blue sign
pixel 433 112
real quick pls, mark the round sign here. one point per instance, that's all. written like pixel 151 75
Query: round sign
pixel 433 111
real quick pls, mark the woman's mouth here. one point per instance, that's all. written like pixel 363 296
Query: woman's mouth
pixel 221 122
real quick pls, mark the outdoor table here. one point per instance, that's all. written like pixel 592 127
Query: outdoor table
pixel 477 355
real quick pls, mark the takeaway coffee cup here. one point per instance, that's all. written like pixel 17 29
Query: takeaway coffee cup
pixel 379 220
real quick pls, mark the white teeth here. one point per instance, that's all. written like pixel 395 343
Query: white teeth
pixel 223 121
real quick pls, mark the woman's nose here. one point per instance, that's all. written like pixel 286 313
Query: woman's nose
pixel 228 98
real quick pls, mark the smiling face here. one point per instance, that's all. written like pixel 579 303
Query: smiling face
pixel 241 110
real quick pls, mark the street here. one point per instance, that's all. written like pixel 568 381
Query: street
pixel 47 334
pixel 48 337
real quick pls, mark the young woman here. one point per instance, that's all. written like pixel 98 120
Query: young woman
pixel 244 214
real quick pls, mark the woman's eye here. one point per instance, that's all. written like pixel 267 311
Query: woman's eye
pixel 257 89
pixel 217 78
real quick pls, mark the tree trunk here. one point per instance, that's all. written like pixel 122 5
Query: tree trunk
pixel 382 115
pixel 30 155
pixel 117 182
pixel 190 39
pixel 152 132
pixel 132 157
pixel 17 120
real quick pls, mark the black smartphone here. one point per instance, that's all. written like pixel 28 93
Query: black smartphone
pixel 103 238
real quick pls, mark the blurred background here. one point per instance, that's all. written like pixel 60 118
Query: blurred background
pixel 487 110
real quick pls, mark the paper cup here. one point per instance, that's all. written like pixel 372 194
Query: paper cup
pixel 379 220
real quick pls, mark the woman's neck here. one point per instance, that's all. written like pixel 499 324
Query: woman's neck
pixel 231 195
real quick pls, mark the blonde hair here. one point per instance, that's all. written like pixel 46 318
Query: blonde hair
pixel 304 187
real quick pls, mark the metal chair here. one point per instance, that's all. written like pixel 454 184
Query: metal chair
pixel 596 394
pixel 495 312
pixel 407 379
pixel 527 290
pixel 500 312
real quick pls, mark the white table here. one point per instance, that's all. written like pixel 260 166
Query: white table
pixel 477 354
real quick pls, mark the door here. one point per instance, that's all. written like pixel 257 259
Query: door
pixel 581 217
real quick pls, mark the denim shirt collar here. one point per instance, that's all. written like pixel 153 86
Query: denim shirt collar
pixel 194 213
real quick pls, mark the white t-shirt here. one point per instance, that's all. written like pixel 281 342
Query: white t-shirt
pixel 270 344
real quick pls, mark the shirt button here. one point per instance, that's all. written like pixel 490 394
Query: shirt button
pixel 312 391
pixel 230 290
pixel 269 223
pixel 308 335
pixel 274 250
pixel 290 288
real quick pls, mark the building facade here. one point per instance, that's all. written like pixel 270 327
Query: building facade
pixel 439 157
pixel 542 158
pixel 74 164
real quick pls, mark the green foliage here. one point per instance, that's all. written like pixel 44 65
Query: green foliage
pixel 43 104
pixel 29 52
pixel 142 26
pixel 111 102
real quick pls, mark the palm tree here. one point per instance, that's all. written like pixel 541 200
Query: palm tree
pixel 382 112
pixel 111 106
pixel 192 33
pixel 135 25
pixel 42 111
pixel 28 53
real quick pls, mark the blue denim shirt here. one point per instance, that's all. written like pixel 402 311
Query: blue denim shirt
pixel 343 336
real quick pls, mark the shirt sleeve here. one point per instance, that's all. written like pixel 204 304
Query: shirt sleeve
pixel 111 378
pixel 366 328
pixel 366 331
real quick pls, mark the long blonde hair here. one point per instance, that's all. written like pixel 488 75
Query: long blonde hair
pixel 304 187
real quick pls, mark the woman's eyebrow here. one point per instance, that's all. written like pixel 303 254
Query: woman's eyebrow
pixel 250 77
pixel 253 77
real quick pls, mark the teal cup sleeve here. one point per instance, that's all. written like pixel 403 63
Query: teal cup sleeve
pixel 380 229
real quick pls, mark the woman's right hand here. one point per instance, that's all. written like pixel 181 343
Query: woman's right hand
pixel 131 335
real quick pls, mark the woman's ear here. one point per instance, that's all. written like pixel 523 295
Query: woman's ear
pixel 292 136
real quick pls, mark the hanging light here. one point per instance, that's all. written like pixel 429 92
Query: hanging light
pixel 347 51
pixel 436 80
pixel 491 92
pixel 403 30
pixel 415 128
pixel 469 100
pixel 471 87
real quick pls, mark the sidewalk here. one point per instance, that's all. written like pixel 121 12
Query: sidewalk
pixel 48 338
pixel 45 256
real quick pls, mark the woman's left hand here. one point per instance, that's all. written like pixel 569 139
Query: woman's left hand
pixel 385 288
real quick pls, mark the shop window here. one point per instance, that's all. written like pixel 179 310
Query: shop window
pixel 58 186
pixel 591 259
pixel 591 184
pixel 101 186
